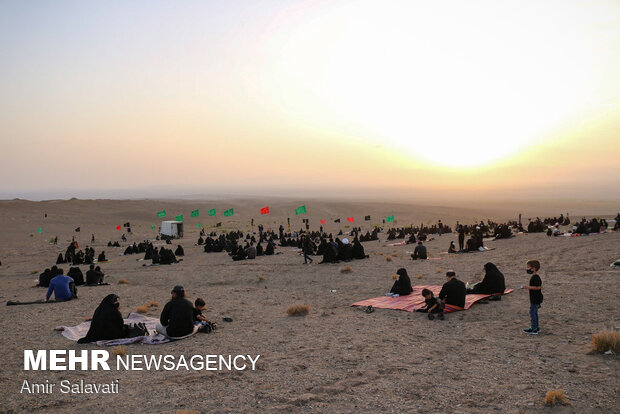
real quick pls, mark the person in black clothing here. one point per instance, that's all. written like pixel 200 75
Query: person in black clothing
pixel 419 252
pixel 492 283
pixel 536 297
pixel 461 231
pixel 60 260
pixel 402 286
pixel 46 276
pixel 101 257
pixel 107 322
pixel 452 248
pixel 179 251
pixel 358 249
pixel 76 274
pixel 269 250
pixel 94 276
pixel 177 318
pixel 431 305
pixel 453 291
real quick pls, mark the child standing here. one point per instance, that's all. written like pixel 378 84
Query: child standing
pixel 536 297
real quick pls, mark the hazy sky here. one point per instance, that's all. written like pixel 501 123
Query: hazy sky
pixel 403 98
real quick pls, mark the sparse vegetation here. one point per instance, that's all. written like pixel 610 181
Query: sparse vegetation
pixel 418 276
pixel 123 282
pixel 388 258
pixel 554 397
pixel 394 276
pixel 119 350
pixel 142 309
pixel 260 278
pixel 152 304
pixel 606 340
pixel 298 310
pixel 346 269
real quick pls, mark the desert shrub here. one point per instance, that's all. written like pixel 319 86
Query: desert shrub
pixel 606 340
pixel 346 269
pixel 394 276
pixel 388 258
pixel 119 350
pixel 142 309
pixel 298 310
pixel 554 397
pixel 123 282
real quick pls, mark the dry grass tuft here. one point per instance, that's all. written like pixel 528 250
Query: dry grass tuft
pixel 260 278
pixel 394 276
pixel 554 397
pixel 119 350
pixel 187 411
pixel 34 272
pixel 346 269
pixel 418 276
pixel 438 270
pixel 152 304
pixel 388 258
pixel 606 340
pixel 142 309
pixel 298 310
pixel 394 255
pixel 123 282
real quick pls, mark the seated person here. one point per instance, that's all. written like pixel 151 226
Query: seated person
pixel 452 248
pixel 94 276
pixel 76 274
pixel 199 306
pixel 431 305
pixel 107 322
pixel 402 286
pixel 250 251
pixel 177 318
pixel 453 291
pixel 46 276
pixel 493 282
pixel 419 252
pixel 62 286
pixel 179 251
pixel 358 250
pixel 101 257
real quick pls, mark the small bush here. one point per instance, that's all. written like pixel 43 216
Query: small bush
pixel 119 350
pixel 152 304
pixel 554 397
pixel 123 282
pixel 394 276
pixel 418 276
pixel 438 270
pixel 142 309
pixel 388 258
pixel 187 411
pixel 260 278
pixel 298 310
pixel 34 272
pixel 606 340
pixel 346 269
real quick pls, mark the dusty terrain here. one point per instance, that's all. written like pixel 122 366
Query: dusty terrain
pixel 338 358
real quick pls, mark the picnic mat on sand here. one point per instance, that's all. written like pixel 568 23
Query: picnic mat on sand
pixel 415 300
pixel 79 331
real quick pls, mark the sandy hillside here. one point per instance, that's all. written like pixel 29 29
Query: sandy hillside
pixel 338 358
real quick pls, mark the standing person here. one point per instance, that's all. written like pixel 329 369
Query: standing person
pixel 461 237
pixel 177 318
pixel 536 297
pixel 307 249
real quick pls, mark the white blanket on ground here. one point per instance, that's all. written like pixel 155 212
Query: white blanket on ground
pixel 79 331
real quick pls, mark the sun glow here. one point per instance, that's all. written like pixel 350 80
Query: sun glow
pixel 470 90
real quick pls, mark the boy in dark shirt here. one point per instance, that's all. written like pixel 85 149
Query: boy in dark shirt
pixel 206 326
pixel 432 305
pixel 536 297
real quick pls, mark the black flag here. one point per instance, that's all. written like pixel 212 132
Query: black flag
pixel 126 224
pixel 77 230
pixel 367 218
pixel 337 221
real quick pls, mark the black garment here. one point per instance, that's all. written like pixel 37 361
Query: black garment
pixel 358 250
pixel 60 260
pixel 269 249
pixel 429 303
pixel 76 274
pixel 179 251
pixel 178 317
pixel 402 286
pixel 493 281
pixel 45 277
pixel 197 313
pixel 107 322
pixel 536 296
pixel 101 257
pixel 419 252
pixel 461 239
pixel 94 277
pixel 453 292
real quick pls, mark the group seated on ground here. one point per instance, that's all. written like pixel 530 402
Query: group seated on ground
pixel 340 250
pixel 590 226
pixel 114 244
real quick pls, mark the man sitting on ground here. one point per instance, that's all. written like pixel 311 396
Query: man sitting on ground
pixel 453 291
pixel 177 318
pixel 62 286
pixel 419 252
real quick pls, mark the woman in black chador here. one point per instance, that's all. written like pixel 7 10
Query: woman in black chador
pixel 107 322
pixel 402 286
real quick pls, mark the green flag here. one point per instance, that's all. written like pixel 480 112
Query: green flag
pixel 211 212
pixel 198 225
pixel 40 230
pixel 300 210
pixel 152 226
pixel 179 217
pixel 389 219
pixel 229 212
pixel 194 213
pixel 161 213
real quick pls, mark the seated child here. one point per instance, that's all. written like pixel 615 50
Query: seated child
pixel 432 305
pixel 206 325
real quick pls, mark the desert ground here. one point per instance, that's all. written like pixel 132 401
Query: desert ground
pixel 337 358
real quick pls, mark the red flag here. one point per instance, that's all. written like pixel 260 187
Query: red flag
pixel 118 227
pixel 264 210
pixel 350 219
pixel 322 221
